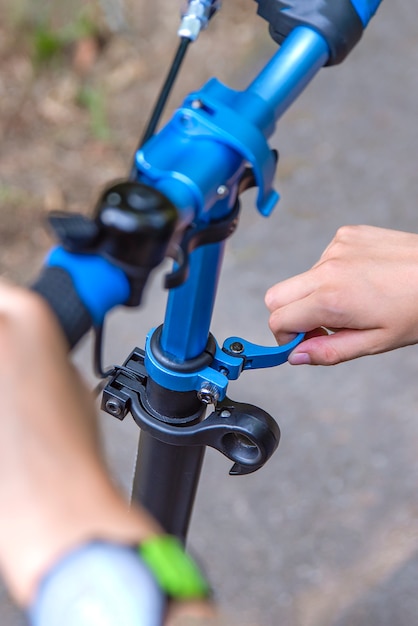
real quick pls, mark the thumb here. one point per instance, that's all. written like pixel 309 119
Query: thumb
pixel 340 346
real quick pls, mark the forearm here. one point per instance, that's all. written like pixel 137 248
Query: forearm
pixel 68 540
pixel 53 482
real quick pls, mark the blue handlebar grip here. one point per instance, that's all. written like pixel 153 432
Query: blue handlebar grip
pixel 81 289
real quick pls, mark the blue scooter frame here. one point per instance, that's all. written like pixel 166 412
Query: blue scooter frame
pixel 193 171
pixel 198 161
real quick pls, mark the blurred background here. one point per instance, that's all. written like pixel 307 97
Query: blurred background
pixel 77 82
pixel 326 534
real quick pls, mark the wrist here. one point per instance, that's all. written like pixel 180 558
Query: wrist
pixel 98 583
pixel 103 582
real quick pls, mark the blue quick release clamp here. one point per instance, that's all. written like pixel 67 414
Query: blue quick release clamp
pixel 260 357
pixel 212 374
pixel 244 433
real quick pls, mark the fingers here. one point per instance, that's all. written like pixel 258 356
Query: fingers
pixel 289 290
pixel 318 309
pixel 297 305
pixel 364 286
pixel 335 348
pixel 281 323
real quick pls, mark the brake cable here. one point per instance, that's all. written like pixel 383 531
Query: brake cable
pixel 194 19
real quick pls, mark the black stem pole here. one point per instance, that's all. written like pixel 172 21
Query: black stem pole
pixel 165 482
pixel 167 476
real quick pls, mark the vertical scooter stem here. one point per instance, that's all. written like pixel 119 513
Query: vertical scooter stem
pixel 189 310
pixel 166 476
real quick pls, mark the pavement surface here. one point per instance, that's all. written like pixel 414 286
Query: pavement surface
pixel 326 534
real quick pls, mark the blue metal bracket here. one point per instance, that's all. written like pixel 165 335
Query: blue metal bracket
pixel 219 115
pixel 227 364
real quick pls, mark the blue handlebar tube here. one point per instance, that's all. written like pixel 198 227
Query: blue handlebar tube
pixel 290 70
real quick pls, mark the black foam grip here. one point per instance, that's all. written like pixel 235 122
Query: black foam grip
pixel 56 286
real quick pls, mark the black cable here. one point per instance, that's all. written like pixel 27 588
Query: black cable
pixel 164 94
pixel 97 354
pixel 98 366
pixel 148 133
pixel 166 89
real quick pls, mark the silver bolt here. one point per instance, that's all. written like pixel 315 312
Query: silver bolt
pixel 196 104
pixel 209 394
pixel 225 413
pixel 236 347
pixel 222 191
pixel 114 407
pixel 196 16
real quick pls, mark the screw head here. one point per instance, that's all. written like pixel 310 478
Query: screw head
pixel 236 347
pixel 187 121
pixel 114 408
pixel 222 191
pixel 208 393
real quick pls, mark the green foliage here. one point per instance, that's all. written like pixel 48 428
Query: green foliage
pixel 82 26
pixel 49 43
pixel 11 196
pixel 93 100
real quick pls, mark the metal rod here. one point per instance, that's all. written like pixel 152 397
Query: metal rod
pixel 289 71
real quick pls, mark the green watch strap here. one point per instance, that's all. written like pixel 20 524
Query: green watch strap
pixel 174 570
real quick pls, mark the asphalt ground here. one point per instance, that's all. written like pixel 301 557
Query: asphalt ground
pixel 326 534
